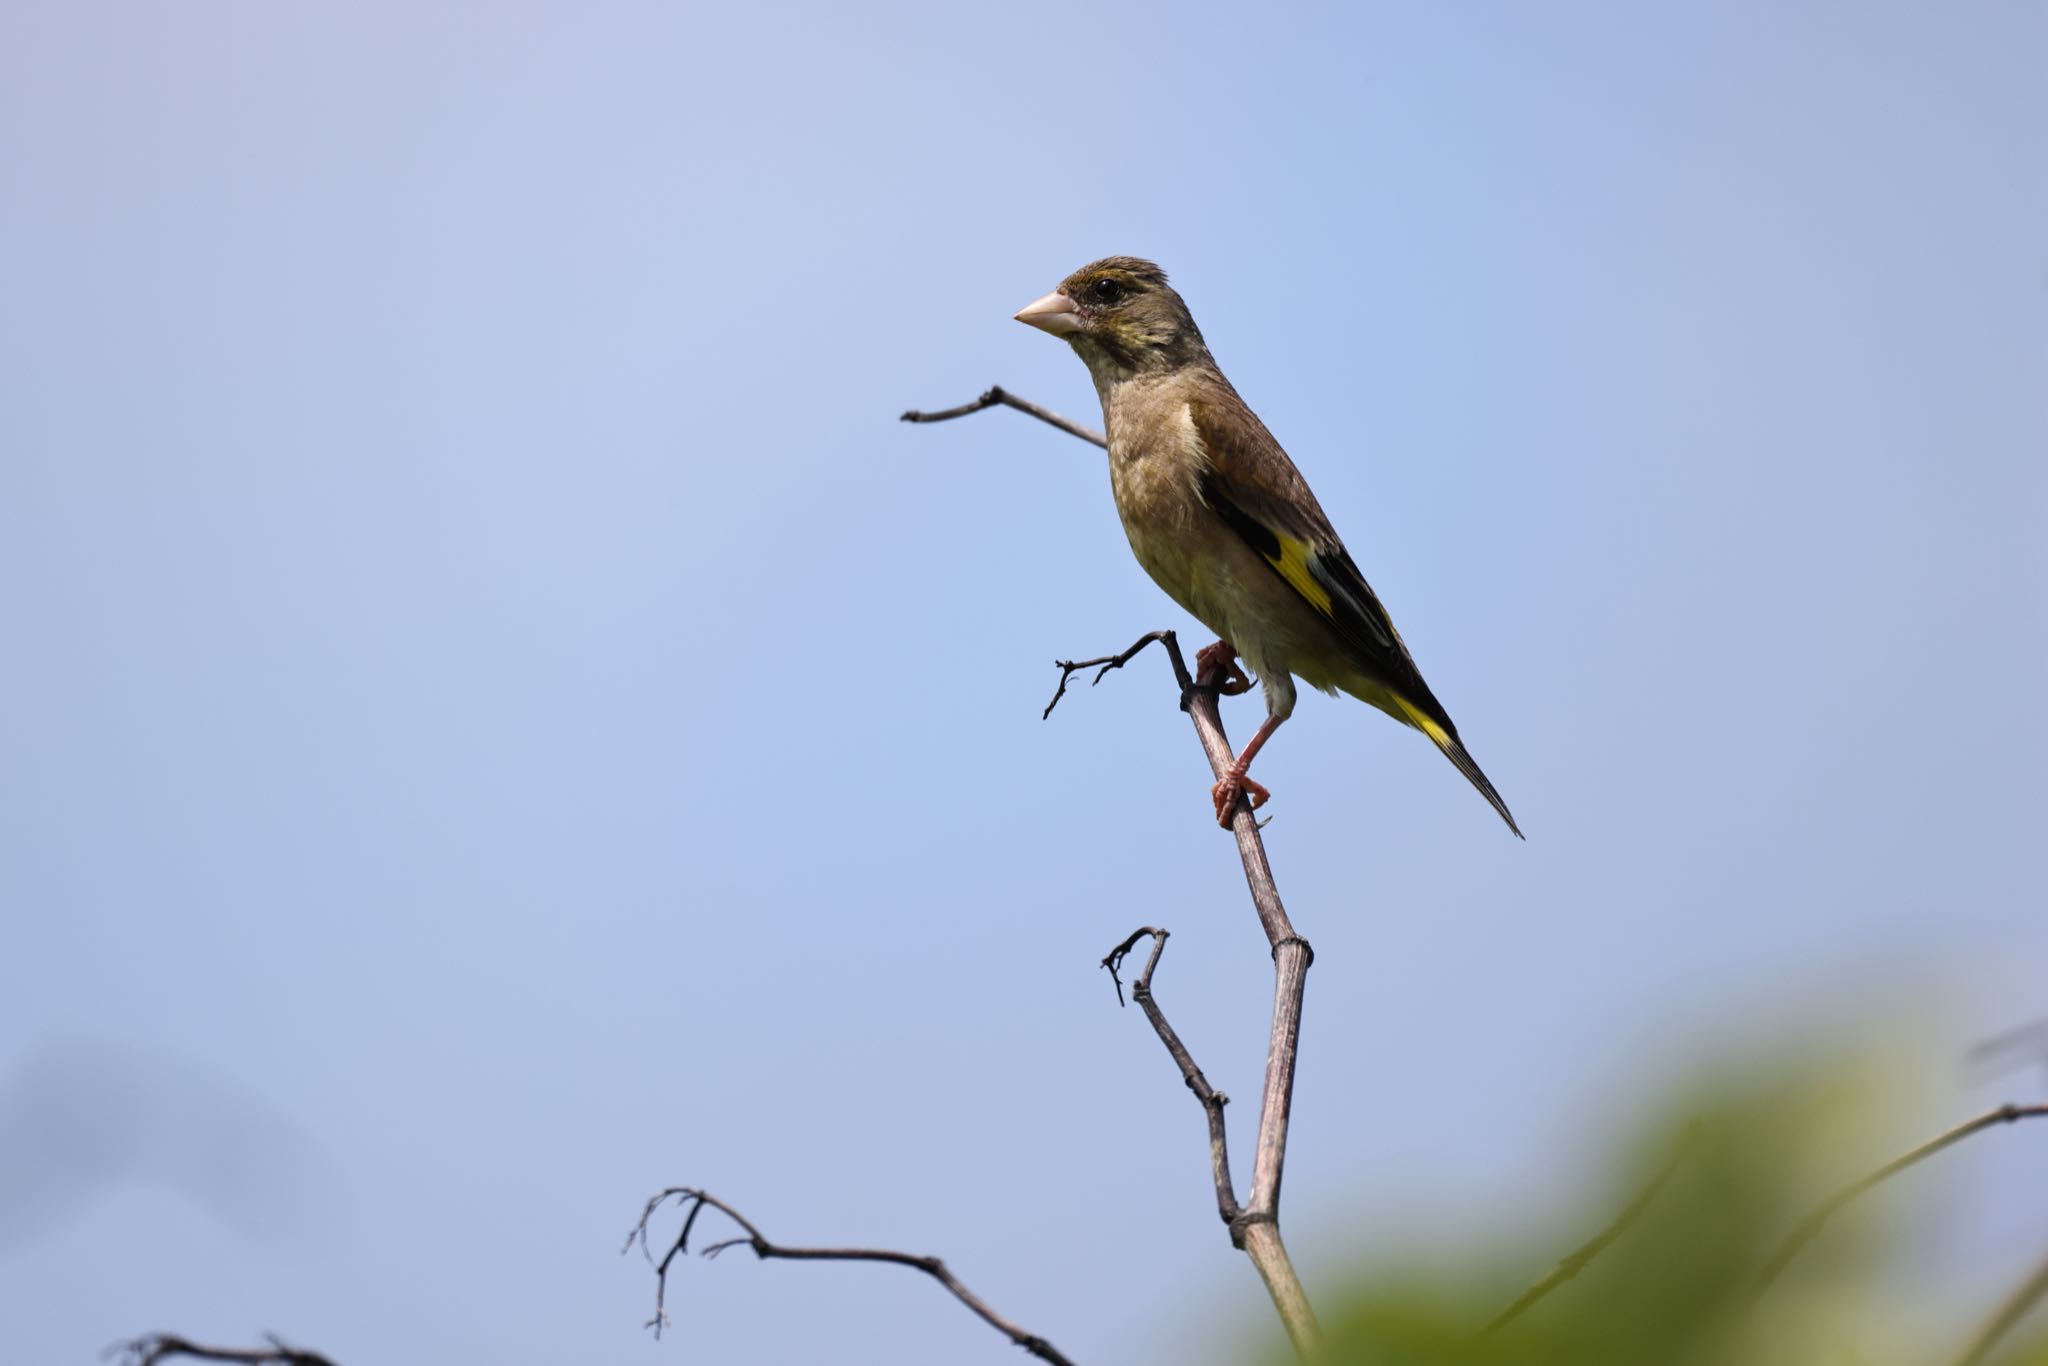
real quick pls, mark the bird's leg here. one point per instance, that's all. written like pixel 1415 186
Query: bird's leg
pixel 1216 665
pixel 1233 782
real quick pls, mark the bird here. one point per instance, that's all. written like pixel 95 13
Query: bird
pixel 1222 520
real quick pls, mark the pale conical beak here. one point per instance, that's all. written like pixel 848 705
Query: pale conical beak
pixel 1055 313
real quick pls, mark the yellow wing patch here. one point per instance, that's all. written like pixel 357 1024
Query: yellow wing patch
pixel 1421 722
pixel 1292 562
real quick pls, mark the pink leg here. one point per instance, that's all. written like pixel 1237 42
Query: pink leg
pixel 1217 664
pixel 1234 783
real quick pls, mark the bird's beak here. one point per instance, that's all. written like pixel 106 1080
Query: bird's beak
pixel 1055 313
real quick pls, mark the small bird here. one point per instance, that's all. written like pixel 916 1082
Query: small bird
pixel 1223 521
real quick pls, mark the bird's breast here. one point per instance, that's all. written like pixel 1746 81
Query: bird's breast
pixel 1156 468
pixel 1156 464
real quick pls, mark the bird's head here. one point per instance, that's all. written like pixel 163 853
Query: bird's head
pixel 1122 317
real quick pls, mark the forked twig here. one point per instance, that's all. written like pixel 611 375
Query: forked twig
pixel 1255 1227
pixel 696 1201
pixel 1069 667
pixel 1212 1100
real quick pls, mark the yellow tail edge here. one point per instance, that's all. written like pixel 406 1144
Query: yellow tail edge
pixel 1454 750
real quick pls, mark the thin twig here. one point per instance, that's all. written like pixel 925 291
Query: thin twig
pixel 2007 1314
pixel 1212 1100
pixel 1256 1226
pixel 1809 1227
pixel 695 1201
pixel 156 1347
pixel 1069 667
pixel 998 395
pixel 1573 1262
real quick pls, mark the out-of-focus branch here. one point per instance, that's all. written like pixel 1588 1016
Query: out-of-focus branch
pixel 2015 1307
pixel 1573 1262
pixel 2023 1046
pixel 1809 1227
pixel 1256 1226
pixel 156 1347
pixel 1212 1100
pixel 998 395
pixel 695 1202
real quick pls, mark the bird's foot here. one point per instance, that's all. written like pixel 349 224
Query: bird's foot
pixel 1227 790
pixel 1218 663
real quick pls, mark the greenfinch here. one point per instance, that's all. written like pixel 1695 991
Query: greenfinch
pixel 1223 521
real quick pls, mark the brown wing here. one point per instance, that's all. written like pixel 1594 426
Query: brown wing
pixel 1257 490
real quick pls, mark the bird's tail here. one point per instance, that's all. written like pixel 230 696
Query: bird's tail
pixel 1447 740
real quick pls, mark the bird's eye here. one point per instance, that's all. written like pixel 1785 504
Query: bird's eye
pixel 1106 291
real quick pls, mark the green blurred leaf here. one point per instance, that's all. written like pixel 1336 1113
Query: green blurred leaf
pixel 1679 1285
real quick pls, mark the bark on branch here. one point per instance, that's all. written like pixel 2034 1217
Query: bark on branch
pixel 995 395
pixel 1254 1223
pixel 1211 1099
pixel 695 1202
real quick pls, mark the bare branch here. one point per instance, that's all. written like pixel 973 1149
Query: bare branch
pixel 1809 1227
pixel 156 1347
pixel 2009 1313
pixel 998 395
pixel 1212 1100
pixel 1573 1262
pixel 695 1201
pixel 1069 667
pixel 1256 1226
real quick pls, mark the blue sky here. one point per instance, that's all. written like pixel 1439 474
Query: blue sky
pixel 501 718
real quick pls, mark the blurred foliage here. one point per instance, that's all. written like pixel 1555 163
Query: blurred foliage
pixel 1756 1149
